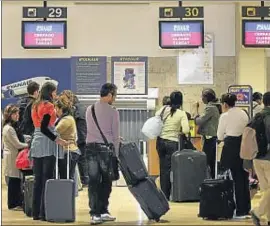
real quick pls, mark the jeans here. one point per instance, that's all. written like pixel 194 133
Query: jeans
pixel 15 197
pixel 165 149
pixel 210 148
pixel 82 165
pixel 73 159
pixel 100 183
pixel 43 169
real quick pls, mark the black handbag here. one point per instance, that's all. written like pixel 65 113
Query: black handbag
pixel 113 164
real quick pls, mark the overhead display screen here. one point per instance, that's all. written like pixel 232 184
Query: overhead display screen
pixel 181 34
pixel 256 33
pixel 44 34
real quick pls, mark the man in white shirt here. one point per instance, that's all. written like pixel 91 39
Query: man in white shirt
pixel 230 130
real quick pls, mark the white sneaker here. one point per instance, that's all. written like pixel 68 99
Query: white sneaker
pixel 239 217
pixel 107 217
pixel 96 220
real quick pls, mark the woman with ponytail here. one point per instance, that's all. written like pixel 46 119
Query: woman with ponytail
pixel 175 121
pixel 208 124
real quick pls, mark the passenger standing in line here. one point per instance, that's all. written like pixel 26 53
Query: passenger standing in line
pixel 175 123
pixel 208 124
pixel 43 146
pixel 12 145
pixel 230 129
pixel 66 128
pixel 257 103
pixel 262 168
pixel 97 153
pixel 79 116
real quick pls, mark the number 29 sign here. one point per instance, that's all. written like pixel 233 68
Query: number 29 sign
pixel 45 12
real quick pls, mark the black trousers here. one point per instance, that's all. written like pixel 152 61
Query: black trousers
pixel 82 165
pixel 73 159
pixel 209 148
pixel 43 169
pixel 242 193
pixel 165 149
pixel 100 183
pixel 15 197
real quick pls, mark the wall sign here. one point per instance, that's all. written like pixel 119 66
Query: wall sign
pixel 130 75
pixel 256 33
pixel 45 12
pixel 181 34
pixel 244 96
pixel 181 12
pixel 88 74
pixel 44 34
pixel 255 11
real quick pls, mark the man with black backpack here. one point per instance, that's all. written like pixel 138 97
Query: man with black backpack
pixel 25 106
pixel 262 166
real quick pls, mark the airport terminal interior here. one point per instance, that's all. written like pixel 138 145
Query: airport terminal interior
pixel 148 49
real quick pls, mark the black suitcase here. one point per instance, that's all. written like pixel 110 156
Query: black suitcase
pixel 131 163
pixel 217 197
pixel 28 195
pixel 152 200
pixel 189 170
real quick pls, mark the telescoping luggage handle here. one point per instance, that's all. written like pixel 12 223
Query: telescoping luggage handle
pixel 227 173
pixel 56 165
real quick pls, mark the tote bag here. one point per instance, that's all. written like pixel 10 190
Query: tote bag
pixel 153 126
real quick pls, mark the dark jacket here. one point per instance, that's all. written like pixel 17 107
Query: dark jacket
pixel 26 124
pixel 79 116
pixel 266 113
pixel 208 121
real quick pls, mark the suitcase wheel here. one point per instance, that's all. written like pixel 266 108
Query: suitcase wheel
pixel 157 220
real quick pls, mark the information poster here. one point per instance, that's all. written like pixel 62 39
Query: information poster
pixel 196 66
pixel 88 74
pixel 130 75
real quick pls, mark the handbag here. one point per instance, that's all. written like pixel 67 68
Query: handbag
pixel 113 164
pixel 22 160
pixel 152 128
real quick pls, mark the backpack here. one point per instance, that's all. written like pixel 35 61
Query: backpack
pixel 254 141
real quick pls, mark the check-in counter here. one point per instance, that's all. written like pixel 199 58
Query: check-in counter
pixel 153 159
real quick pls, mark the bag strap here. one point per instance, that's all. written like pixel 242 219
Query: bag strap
pixel 96 122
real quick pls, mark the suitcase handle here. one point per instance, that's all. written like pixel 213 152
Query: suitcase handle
pixel 56 164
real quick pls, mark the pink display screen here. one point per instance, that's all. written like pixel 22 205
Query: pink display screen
pixel 181 34
pixel 44 34
pixel 256 33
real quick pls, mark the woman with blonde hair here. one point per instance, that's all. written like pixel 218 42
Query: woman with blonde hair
pixel 66 128
pixel 11 148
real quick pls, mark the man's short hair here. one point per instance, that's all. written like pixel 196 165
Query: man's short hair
pixel 32 88
pixel 266 99
pixel 108 88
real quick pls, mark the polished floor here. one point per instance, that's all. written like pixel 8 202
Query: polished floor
pixel 127 211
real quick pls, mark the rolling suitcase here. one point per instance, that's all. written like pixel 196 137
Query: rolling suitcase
pixel 131 163
pixel 28 195
pixel 152 200
pixel 189 170
pixel 60 197
pixel 217 196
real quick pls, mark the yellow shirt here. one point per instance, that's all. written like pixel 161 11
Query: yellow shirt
pixel 174 125
pixel 67 130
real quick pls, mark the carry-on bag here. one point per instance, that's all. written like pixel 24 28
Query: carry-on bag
pixel 152 200
pixel 188 171
pixel 60 197
pixel 131 163
pixel 28 189
pixel 217 196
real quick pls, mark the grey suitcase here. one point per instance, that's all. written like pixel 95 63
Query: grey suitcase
pixel 188 171
pixel 60 197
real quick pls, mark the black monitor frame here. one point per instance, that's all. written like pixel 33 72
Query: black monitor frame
pixel 43 47
pixel 181 21
pixel 244 21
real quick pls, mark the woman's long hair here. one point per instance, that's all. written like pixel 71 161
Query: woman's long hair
pixel 64 103
pixel 176 101
pixel 209 95
pixel 9 110
pixel 45 93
